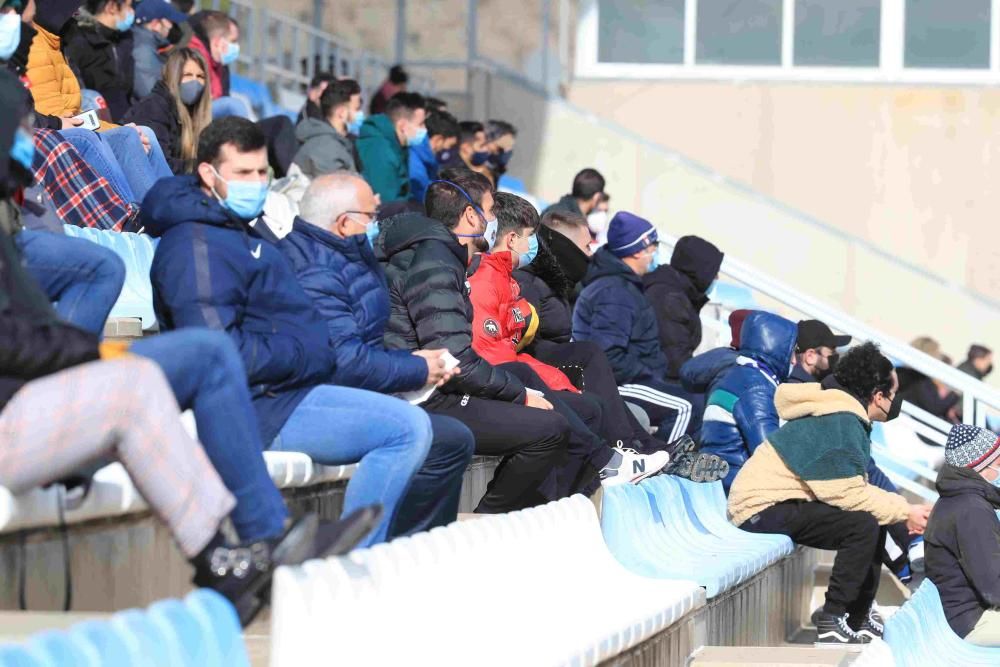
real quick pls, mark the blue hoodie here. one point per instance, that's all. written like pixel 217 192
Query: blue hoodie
pixel 212 270
pixel 740 411
pixel 423 169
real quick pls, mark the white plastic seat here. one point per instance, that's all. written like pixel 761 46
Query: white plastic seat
pixel 533 587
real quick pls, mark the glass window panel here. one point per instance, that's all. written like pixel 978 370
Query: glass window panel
pixel 947 33
pixel 640 31
pixel 844 33
pixel 739 32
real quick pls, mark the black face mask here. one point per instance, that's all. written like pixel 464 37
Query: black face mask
pixel 987 371
pixel 895 408
pixel 831 361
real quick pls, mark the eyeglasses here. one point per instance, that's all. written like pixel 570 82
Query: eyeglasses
pixel 371 214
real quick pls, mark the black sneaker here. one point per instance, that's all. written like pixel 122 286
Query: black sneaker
pixel 832 630
pixel 872 625
pixel 698 467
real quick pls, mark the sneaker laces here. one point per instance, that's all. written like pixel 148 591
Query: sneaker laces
pixel 626 450
pixel 846 628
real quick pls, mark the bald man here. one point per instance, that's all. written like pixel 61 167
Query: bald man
pixel 330 248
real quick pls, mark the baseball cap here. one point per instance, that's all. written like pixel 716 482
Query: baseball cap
pixel 814 334
pixel 150 10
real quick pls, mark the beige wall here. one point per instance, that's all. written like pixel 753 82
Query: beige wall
pixel 912 170
pixel 557 139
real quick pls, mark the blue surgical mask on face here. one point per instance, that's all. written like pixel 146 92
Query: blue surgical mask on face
pixel 244 198
pixel 479 158
pixel 125 24
pixel 354 127
pixel 23 149
pixel 654 261
pixel 231 54
pixel 10 34
pixel 191 91
pixel 528 257
pixel 418 136
pixel 371 231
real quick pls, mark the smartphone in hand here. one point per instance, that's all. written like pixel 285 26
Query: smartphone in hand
pixel 89 118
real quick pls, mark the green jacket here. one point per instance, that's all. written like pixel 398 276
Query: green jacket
pixel 384 161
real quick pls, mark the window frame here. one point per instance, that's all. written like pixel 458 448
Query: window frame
pixel 892 33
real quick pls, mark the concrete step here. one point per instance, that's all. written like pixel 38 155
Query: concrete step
pixel 765 656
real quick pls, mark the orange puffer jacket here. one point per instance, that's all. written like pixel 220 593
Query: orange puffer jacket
pixel 53 84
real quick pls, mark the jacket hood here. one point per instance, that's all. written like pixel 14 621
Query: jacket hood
pixel 349 246
pixel 955 481
pixel 175 201
pixel 378 125
pixel 547 267
pixel 314 127
pixel 605 264
pixel 54 14
pixel 408 229
pixel 698 260
pixel 770 339
pixel 809 399
pixel 568 203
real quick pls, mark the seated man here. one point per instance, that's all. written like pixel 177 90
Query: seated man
pixel 330 250
pixel 585 197
pixel 217 38
pixel 430 310
pixel 326 146
pixel 613 312
pixel 154 21
pixel 808 481
pixel 427 156
pixel 678 292
pixel 503 323
pixel 815 351
pixel 317 85
pixel 213 268
pixel 470 152
pixel 740 412
pixel 960 544
pixel 978 362
pixel 383 146
pixel 500 139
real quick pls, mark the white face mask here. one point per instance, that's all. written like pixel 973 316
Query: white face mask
pixel 598 222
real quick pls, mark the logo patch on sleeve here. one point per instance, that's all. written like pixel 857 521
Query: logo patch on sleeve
pixel 518 317
pixel 491 328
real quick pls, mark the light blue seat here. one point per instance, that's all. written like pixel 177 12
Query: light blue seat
pixel 56 647
pixel 176 619
pixel 919 635
pixel 734 297
pixel 136 250
pixel 219 622
pixel 259 97
pixel 661 546
pixel 707 507
pixel 147 643
pixel 14 655
pixel 105 641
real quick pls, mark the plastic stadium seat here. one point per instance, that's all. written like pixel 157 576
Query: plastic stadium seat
pixel 18 656
pixel 919 635
pixel 56 647
pixel 554 595
pixel 294 469
pixel 258 96
pixel 178 622
pixel 876 654
pixel 105 641
pixel 220 625
pixel 136 250
pixel 734 297
pixel 149 644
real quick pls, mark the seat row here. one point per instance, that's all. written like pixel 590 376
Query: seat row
pixel 200 631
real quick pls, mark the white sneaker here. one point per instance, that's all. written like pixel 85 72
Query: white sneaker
pixel 633 467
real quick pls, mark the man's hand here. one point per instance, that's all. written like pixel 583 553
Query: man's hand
pixel 142 135
pixel 916 522
pixel 437 374
pixel 539 402
pixel 69 123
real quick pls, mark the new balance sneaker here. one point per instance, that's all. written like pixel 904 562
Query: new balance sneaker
pixel 628 466
pixel 871 626
pixel 833 630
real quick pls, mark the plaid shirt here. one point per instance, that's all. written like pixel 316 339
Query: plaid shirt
pixel 80 196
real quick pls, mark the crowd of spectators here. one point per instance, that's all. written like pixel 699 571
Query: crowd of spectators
pixel 401 311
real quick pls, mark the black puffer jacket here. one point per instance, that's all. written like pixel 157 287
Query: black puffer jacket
pixel 104 58
pixel 678 293
pixel 962 546
pixel 158 112
pixel 431 307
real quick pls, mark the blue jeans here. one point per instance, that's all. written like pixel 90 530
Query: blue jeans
pixel 82 278
pixel 390 438
pixel 100 158
pixel 229 106
pixel 206 375
pixel 432 500
pixel 123 146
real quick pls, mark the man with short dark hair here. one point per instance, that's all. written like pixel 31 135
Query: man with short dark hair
pixel 215 267
pixel 317 85
pixel 154 19
pixel 425 157
pixel 326 146
pixel 384 142
pixel 500 139
pixel 427 260
pixel 470 151
pixel 978 362
pixel 394 84
pixel 217 38
pixel 587 193
pixel 815 351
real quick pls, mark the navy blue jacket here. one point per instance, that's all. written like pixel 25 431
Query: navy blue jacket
pixel 348 288
pixel 700 374
pixel 613 312
pixel 212 270
pixel 740 412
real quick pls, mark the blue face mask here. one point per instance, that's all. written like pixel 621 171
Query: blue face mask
pixel 244 198
pixel 372 233
pixel 23 150
pixel 420 135
pixel 125 24
pixel 479 158
pixel 231 54
pixel 10 34
pixel 529 257
pixel 354 127
pixel 654 262
pixel 500 160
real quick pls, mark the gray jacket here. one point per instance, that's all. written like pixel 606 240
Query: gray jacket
pixel 324 149
pixel 148 63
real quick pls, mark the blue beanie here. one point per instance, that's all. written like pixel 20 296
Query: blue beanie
pixel 629 234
